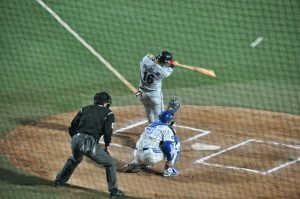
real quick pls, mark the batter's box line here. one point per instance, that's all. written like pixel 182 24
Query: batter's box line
pixel 202 132
pixel 202 160
pixel 130 126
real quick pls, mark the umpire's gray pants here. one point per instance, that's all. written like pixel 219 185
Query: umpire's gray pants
pixel 83 144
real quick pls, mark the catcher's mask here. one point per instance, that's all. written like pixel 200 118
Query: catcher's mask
pixel 167 117
pixel 165 57
pixel 101 98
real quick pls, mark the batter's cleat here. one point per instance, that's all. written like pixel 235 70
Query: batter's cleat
pixel 116 193
pixel 170 172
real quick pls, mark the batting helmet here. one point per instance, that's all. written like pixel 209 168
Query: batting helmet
pixel 101 98
pixel 165 57
pixel 167 117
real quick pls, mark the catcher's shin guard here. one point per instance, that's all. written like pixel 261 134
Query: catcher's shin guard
pixel 175 158
pixel 176 152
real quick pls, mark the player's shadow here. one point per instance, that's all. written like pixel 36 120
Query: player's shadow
pixel 18 178
pixel 152 172
pixel 45 125
pixel 126 139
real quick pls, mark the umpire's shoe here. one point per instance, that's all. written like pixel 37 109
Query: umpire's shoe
pixel 116 193
pixel 58 183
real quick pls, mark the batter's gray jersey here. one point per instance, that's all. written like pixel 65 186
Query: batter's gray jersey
pixel 152 74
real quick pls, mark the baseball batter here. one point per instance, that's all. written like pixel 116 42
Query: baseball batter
pixel 152 71
pixel 158 140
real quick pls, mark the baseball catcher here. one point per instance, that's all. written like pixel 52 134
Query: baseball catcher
pixel 158 141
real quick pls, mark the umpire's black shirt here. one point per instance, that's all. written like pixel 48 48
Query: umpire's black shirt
pixel 94 120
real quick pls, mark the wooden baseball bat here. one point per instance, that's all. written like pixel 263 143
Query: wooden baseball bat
pixel 204 71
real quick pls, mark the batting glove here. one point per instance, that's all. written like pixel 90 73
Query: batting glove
pixel 139 94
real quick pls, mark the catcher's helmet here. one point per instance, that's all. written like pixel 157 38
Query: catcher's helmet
pixel 101 98
pixel 167 117
pixel 165 57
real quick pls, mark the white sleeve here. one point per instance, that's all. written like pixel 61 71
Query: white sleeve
pixel 167 71
pixel 168 134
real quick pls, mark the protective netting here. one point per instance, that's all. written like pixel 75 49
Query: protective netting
pixel 240 131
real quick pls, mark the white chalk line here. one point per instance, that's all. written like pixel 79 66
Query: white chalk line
pixel 223 151
pixel 202 160
pixel 111 144
pixel 124 129
pixel 279 144
pixel 231 167
pixel 204 147
pixel 280 166
pixel 196 136
pixel 130 126
pixel 203 132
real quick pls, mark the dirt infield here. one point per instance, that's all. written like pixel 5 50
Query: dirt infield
pixel 253 154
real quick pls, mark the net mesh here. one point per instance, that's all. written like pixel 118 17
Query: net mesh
pixel 55 55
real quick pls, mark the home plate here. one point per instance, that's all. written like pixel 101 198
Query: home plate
pixel 200 146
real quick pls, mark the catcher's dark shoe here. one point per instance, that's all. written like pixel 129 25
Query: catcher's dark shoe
pixel 58 183
pixel 134 169
pixel 116 193
pixel 131 168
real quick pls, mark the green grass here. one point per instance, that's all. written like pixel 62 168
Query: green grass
pixel 17 184
pixel 46 71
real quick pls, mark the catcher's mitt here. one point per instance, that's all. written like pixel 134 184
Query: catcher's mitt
pixel 174 104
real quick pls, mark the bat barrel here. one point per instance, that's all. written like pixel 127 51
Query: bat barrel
pixel 204 71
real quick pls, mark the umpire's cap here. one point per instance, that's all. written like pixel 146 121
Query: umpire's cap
pixel 101 98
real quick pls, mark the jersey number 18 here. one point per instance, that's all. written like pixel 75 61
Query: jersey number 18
pixel 148 77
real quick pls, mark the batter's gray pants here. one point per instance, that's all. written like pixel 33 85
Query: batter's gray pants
pixel 153 104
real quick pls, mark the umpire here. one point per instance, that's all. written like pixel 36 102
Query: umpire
pixel 87 127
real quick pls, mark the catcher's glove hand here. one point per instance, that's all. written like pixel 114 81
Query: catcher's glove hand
pixel 174 104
